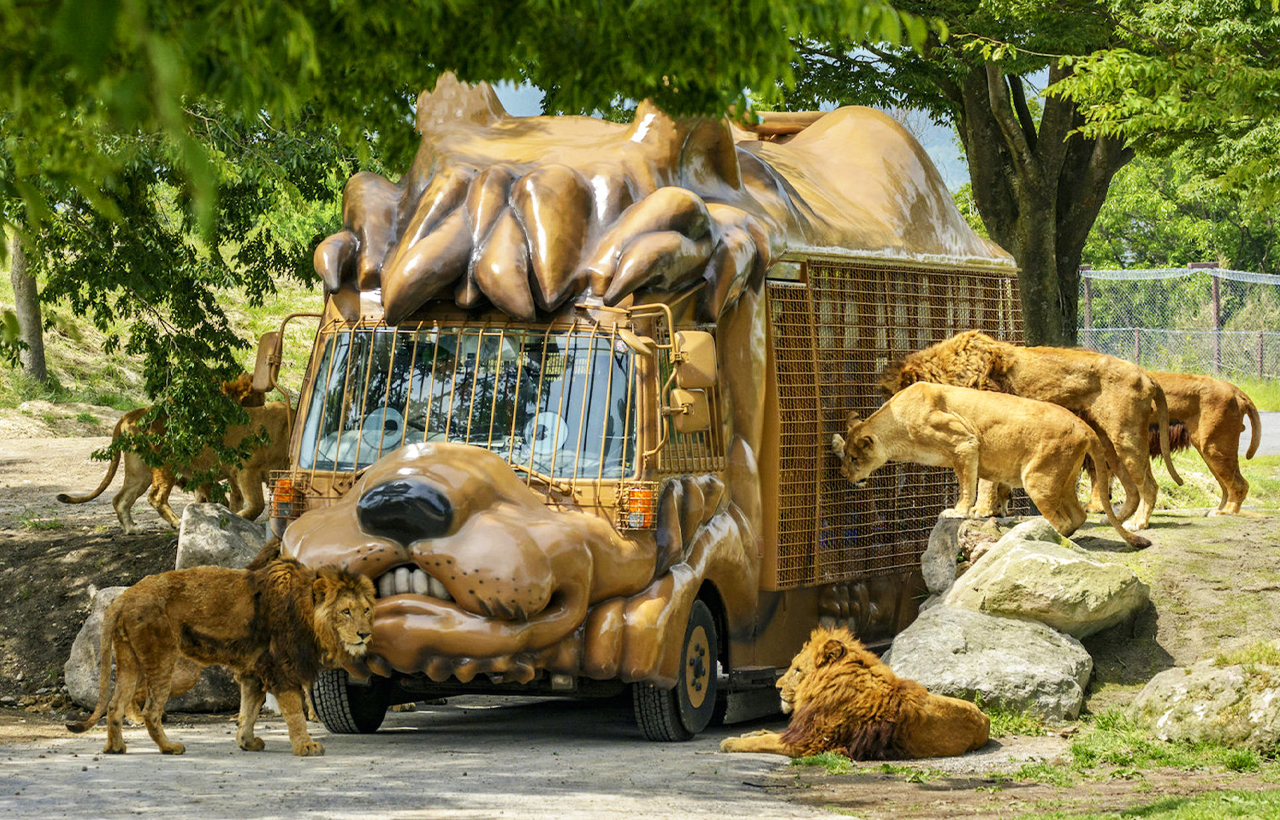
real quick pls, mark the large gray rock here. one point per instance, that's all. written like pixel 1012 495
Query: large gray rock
pixel 1018 665
pixel 1235 705
pixel 954 544
pixel 1033 572
pixel 213 535
pixel 216 691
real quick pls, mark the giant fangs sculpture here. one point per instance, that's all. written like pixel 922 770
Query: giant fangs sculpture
pixel 529 213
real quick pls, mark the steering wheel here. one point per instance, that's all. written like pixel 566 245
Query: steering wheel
pixel 546 433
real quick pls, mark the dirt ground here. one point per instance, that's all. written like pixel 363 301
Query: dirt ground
pixel 1215 584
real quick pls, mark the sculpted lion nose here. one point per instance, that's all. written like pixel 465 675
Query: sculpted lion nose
pixel 405 510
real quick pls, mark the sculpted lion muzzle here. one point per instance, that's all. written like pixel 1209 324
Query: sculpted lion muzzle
pixel 476 575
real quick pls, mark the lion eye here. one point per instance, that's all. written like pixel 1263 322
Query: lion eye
pixel 347 612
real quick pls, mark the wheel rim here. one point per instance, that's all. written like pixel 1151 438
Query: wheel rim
pixel 698 666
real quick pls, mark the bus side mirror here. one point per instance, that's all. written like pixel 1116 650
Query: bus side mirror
pixel 267 366
pixel 696 362
pixel 689 410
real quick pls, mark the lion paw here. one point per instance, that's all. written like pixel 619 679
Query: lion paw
pixel 113 750
pixel 953 512
pixel 253 744
pixel 174 749
pixel 308 749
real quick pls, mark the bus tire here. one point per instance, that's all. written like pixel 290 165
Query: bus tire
pixel 346 709
pixel 685 709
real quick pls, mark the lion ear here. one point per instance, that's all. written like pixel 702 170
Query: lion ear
pixel 851 419
pixel 322 586
pixel 832 651
pixel 863 441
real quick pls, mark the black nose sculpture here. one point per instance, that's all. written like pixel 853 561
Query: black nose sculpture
pixel 405 510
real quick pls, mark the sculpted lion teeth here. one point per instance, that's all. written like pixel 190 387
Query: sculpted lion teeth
pixel 406 580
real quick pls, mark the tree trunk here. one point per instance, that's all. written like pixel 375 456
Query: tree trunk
pixel 26 300
pixel 1039 191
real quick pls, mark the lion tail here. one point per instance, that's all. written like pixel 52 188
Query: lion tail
pixel 104 669
pixel 107 479
pixel 1162 419
pixel 1255 421
pixel 1105 458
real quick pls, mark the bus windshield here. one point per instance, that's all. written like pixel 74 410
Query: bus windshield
pixel 554 403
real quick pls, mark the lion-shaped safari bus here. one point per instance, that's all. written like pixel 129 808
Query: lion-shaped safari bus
pixel 572 394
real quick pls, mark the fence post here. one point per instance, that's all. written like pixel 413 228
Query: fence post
pixel 1260 351
pixel 1088 300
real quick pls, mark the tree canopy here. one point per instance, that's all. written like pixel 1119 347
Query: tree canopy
pixel 1037 182
pixel 1205 75
pixel 79 70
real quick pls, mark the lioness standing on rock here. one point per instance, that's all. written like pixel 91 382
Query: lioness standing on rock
pixel 1116 396
pixel 993 436
pixel 275 627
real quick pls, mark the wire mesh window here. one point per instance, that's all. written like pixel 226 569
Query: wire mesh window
pixel 833 336
pixel 556 403
pixel 700 452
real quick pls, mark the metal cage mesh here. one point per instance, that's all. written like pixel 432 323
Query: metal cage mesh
pixel 832 338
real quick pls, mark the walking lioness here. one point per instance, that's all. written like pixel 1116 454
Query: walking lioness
pixel 979 434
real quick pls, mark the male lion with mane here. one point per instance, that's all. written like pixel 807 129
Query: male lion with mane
pixel 246 478
pixel 275 626
pixel 1115 397
pixel 842 698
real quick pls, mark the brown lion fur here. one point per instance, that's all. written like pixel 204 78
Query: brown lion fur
pixel 842 698
pixel 1211 414
pixel 1179 438
pixel 276 627
pixel 246 478
pixel 1115 397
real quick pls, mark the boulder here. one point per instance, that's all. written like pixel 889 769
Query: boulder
pixel 1033 572
pixel 216 691
pixel 1237 705
pixel 1013 664
pixel 213 535
pixel 954 544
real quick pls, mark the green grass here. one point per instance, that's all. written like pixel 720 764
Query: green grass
pixel 1213 806
pixel 1005 723
pixel 1200 489
pixel 1266 653
pixel 830 762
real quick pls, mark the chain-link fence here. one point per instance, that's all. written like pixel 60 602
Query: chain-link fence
pixel 1191 320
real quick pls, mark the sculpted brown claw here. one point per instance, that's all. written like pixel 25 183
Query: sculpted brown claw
pixel 532 213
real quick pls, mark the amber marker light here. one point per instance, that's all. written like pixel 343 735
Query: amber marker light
pixel 638 508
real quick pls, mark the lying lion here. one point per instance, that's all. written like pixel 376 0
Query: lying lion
pixel 1116 396
pixel 996 437
pixel 842 698
pixel 246 478
pixel 275 627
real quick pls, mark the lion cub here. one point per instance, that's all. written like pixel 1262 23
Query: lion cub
pixel 275 625
pixel 980 434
